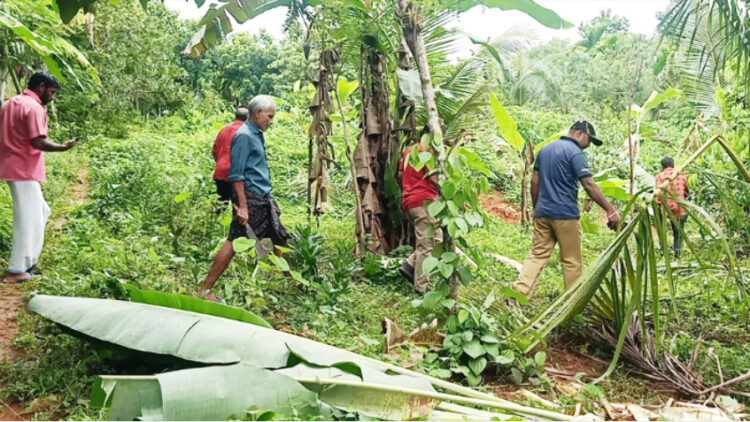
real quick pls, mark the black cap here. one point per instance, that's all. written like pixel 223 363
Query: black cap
pixel 589 129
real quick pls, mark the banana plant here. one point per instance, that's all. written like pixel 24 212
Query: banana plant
pixel 52 49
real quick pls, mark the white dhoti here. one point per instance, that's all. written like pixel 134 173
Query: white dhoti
pixel 30 213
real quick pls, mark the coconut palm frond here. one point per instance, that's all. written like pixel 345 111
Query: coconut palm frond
pixel 714 32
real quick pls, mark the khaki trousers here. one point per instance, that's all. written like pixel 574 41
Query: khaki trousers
pixel 422 219
pixel 547 232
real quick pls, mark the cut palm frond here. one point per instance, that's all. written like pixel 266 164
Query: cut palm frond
pixel 625 281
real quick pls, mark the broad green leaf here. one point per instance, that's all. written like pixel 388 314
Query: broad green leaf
pixel 448 189
pixel 424 157
pixel 506 358
pixel 279 262
pixel 657 98
pixel 432 299
pixel 451 324
pixel 389 397
pixel 474 349
pixel 68 9
pixel 216 23
pixel 345 88
pixel 539 358
pixel 488 338
pixel 449 257
pixel 445 269
pixel 182 395
pixel 186 335
pixel 464 274
pixel 182 196
pixel 473 380
pixel 410 84
pixel 436 207
pixel 546 17
pixel 477 365
pixel 190 303
pixel 463 315
pixel 506 124
pixel 243 244
pixel 429 264
pixel 493 350
pixel 509 292
pixel 516 375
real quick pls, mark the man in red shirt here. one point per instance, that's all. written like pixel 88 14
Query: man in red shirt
pixel 677 190
pixel 221 151
pixel 418 189
pixel 23 140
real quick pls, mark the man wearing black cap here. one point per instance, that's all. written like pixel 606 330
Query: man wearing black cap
pixel 558 168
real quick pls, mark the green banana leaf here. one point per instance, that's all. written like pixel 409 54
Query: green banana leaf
pixel 209 393
pixel 187 335
pixel 213 340
pixel 189 303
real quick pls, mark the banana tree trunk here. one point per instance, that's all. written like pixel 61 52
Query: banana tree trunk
pixel 372 153
pixel 410 18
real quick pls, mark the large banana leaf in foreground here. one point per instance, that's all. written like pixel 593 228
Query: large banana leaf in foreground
pixel 192 394
pixel 190 303
pixel 339 377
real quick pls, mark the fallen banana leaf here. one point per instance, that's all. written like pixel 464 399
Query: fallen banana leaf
pixel 208 393
pixel 209 339
pixel 189 303
pixel 391 397
pixel 187 335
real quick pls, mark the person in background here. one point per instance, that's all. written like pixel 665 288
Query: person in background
pixel 558 168
pixel 23 141
pixel 418 189
pixel 677 190
pixel 221 149
pixel 254 207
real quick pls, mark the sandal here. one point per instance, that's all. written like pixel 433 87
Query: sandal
pixel 29 275
pixel 208 295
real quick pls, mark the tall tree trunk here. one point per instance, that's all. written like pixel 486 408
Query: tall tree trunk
pixel 372 152
pixel 321 107
pixel 411 19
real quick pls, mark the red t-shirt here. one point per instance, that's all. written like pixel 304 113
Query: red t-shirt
pixel 416 189
pixel 222 149
pixel 22 119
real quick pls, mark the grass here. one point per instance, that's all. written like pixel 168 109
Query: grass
pixel 132 230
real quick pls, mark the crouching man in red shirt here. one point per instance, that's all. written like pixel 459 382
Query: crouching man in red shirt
pixel 418 190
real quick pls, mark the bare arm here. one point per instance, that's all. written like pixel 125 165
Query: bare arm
pixel 241 207
pixel 534 188
pixel 592 189
pixel 44 144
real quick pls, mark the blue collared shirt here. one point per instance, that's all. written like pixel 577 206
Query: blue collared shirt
pixel 561 164
pixel 248 159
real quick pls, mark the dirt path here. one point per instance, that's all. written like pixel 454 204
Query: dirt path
pixel 12 299
pixel 495 203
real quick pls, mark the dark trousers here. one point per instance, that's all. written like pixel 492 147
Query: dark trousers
pixel 677 236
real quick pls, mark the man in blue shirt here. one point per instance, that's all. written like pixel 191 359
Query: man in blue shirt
pixel 251 187
pixel 558 168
